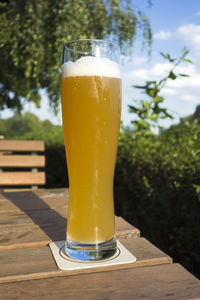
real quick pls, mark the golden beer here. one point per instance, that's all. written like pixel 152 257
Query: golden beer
pixel 91 110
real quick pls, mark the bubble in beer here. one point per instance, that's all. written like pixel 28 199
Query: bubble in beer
pixel 91 66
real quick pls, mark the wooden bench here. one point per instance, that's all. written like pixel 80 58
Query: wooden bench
pixel 19 163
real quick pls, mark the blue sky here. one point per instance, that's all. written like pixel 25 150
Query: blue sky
pixel 175 24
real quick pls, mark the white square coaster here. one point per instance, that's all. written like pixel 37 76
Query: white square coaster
pixel 123 256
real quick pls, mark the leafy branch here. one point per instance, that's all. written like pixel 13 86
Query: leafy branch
pixel 150 112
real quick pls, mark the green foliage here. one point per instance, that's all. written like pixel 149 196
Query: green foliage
pixel 33 33
pixel 157 177
pixel 28 126
pixel 157 189
pixel 193 117
pixel 149 112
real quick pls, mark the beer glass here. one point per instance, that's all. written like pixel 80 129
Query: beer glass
pixel 91 110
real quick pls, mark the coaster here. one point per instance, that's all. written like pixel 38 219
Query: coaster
pixel 122 256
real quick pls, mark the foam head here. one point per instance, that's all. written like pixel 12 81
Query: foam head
pixel 91 66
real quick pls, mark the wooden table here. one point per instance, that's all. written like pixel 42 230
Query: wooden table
pixel 30 220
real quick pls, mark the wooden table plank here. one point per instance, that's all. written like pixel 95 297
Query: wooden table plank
pixel 125 229
pixel 31 235
pixel 13 202
pixel 31 217
pixel 35 218
pixel 20 237
pixel 170 282
pixel 33 200
pixel 35 263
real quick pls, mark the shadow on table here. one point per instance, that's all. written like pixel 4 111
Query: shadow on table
pixel 49 220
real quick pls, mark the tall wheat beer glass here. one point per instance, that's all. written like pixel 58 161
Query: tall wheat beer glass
pixel 91 110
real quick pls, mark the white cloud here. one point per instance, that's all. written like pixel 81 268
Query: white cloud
pixel 156 72
pixel 192 81
pixel 162 35
pixel 169 91
pixel 191 98
pixel 182 90
pixel 190 33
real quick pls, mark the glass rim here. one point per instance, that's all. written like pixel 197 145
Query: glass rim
pixel 95 40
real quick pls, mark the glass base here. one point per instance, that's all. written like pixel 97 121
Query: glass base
pixel 90 252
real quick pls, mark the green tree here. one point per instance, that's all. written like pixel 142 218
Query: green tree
pixel 28 126
pixel 32 34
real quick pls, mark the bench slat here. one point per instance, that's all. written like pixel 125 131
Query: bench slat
pixel 22 161
pixel 22 178
pixel 21 145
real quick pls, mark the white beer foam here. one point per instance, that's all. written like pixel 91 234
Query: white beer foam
pixel 91 66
